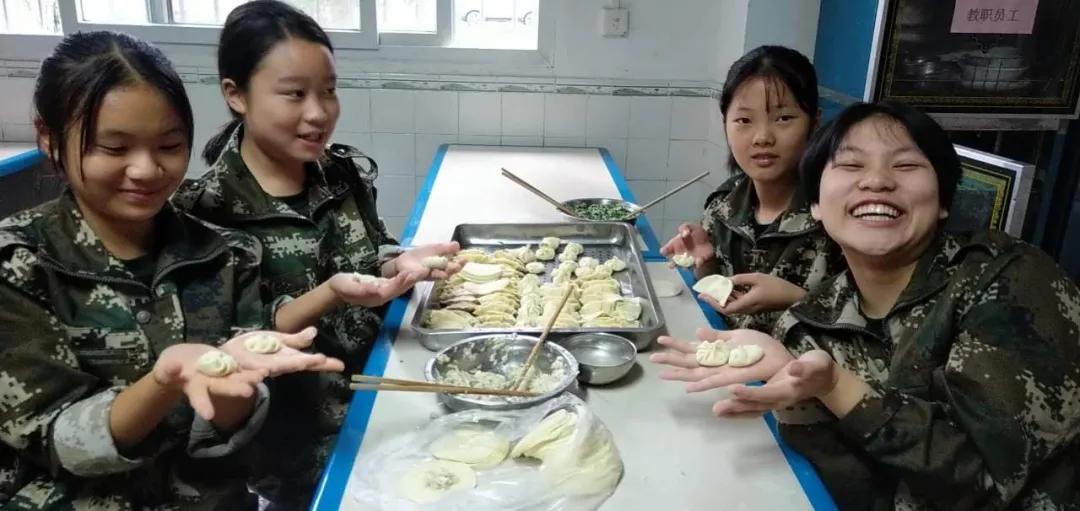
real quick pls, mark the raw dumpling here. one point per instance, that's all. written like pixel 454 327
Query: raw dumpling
pixel 524 254
pixel 745 355
pixel 216 363
pixel 615 264
pixel 476 447
pixel 263 343
pixel 712 354
pixel 718 287
pixel 486 288
pixel 545 253
pixel 588 262
pixel 435 262
pixel 440 319
pixel 535 267
pixel 431 480
pixel 364 278
pixel 684 259
pixel 550 242
pixel 480 272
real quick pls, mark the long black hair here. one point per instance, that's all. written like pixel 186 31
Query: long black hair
pixel 250 32
pixel 82 69
pixel 776 64
pixel 928 135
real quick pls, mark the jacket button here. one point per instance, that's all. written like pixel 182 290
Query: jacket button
pixel 143 317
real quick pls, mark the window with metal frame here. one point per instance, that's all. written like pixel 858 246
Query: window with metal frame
pixel 352 24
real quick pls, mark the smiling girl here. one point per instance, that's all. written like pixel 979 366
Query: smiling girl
pixel 757 228
pixel 109 297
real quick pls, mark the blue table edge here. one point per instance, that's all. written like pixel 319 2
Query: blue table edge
pixel 331 489
pixel 19 162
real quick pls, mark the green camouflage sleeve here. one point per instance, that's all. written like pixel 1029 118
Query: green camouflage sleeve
pixel 251 312
pixel 1012 397
pixel 48 412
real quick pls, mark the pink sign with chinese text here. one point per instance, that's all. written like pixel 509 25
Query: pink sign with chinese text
pixel 994 16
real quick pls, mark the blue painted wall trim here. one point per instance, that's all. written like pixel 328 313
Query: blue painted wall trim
pixel 842 50
pixel 335 476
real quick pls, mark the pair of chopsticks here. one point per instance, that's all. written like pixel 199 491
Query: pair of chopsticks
pixel 630 216
pixel 363 382
pixel 543 336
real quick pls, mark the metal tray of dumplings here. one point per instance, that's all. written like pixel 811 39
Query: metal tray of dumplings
pixel 601 241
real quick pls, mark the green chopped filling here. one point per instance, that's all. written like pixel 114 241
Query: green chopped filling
pixel 601 212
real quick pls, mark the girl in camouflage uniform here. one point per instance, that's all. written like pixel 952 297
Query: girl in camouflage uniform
pixel 757 228
pixel 941 371
pixel 108 297
pixel 313 208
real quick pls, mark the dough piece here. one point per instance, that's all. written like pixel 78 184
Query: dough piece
pixel 550 242
pixel 576 248
pixel 263 343
pixel 718 287
pixel 431 480
pixel 216 363
pixel 684 259
pixel 568 256
pixel 667 288
pixel 615 264
pixel 712 354
pixel 476 447
pixel 745 355
pixel 547 437
pixel 364 278
pixel 535 267
pixel 545 253
pixel 435 262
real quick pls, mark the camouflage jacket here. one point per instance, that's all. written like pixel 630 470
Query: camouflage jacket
pixel 339 232
pixel 794 247
pixel 76 327
pixel 975 400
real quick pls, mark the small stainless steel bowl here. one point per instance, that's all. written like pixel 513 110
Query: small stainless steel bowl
pixel 576 203
pixel 603 357
pixel 493 353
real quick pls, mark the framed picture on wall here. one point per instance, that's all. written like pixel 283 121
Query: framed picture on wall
pixel 993 193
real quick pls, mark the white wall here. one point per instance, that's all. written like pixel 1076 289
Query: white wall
pixel 658 141
pixel 784 22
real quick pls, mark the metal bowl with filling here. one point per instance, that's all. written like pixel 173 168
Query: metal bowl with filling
pixel 600 210
pixel 494 361
pixel 603 358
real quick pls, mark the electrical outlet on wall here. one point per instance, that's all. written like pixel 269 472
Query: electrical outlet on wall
pixel 614 22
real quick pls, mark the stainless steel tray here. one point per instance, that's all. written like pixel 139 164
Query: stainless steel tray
pixel 601 241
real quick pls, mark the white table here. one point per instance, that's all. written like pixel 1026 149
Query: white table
pixel 677 455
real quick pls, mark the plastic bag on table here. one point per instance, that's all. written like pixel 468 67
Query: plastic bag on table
pixel 579 469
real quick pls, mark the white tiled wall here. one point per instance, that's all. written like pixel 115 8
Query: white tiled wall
pixel 656 141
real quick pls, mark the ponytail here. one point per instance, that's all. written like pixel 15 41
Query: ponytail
pixel 218 142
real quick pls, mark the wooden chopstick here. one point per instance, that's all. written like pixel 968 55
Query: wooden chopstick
pixel 364 382
pixel 525 184
pixel 543 336
pixel 439 389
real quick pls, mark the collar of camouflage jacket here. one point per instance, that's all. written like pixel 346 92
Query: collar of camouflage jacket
pixel 835 303
pixel 230 191
pixel 66 241
pixel 736 210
